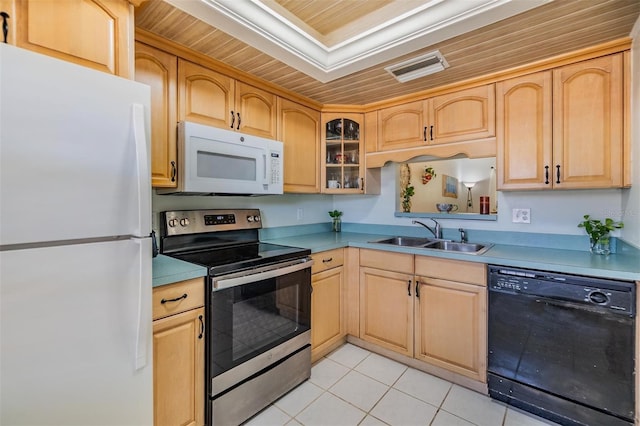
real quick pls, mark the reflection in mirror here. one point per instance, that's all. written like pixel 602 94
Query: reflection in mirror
pixel 452 186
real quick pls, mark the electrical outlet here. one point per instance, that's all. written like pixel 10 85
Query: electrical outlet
pixel 300 214
pixel 521 216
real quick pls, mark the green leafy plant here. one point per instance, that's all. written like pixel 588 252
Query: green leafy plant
pixel 406 195
pixel 335 214
pixel 597 230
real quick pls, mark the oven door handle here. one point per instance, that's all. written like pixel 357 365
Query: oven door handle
pixel 265 273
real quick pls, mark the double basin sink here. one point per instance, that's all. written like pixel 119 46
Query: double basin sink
pixel 435 244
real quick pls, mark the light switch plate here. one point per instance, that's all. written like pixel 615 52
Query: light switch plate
pixel 521 216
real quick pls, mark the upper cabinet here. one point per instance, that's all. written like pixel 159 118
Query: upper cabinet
pixel 342 152
pixel 454 117
pixel 562 128
pixel 93 33
pixel 299 130
pixel 159 70
pixel 208 97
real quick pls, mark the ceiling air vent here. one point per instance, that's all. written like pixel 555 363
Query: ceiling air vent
pixel 418 67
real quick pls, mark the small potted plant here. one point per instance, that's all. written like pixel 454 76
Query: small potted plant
pixel 598 232
pixel 336 225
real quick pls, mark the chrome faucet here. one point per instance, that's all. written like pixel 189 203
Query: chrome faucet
pixel 436 230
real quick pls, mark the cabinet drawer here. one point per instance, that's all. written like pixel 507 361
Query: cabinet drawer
pixel 178 297
pixel 451 270
pixel 386 260
pixel 327 260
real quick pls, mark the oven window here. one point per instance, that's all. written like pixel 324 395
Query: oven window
pixel 250 319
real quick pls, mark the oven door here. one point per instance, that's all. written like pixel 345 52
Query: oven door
pixel 257 320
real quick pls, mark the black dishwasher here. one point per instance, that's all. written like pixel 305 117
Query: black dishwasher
pixel 562 346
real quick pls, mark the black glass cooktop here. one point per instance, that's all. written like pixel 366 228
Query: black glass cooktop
pixel 239 257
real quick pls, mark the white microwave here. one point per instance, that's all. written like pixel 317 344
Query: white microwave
pixel 219 161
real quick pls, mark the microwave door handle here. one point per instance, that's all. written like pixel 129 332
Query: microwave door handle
pixel 265 180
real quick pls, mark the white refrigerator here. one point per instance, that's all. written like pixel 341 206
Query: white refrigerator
pixel 75 246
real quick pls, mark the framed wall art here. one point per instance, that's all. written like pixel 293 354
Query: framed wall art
pixel 449 186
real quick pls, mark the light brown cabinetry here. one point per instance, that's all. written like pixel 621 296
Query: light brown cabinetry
pixel 454 117
pixel 563 128
pixel 328 327
pixel 436 314
pixel 178 353
pixel 386 301
pixel 159 70
pixel 342 153
pixel 451 315
pixel 211 98
pixel 93 33
pixel 299 130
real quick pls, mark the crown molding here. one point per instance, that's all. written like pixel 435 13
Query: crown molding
pixel 255 23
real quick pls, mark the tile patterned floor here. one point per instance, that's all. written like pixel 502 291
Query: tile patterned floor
pixel 352 386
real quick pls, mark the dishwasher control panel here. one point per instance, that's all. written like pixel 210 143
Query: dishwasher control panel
pixel 613 295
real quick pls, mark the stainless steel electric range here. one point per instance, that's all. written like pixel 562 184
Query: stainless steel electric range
pixel 258 309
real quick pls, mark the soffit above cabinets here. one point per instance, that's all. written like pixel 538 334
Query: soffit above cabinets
pixel 335 51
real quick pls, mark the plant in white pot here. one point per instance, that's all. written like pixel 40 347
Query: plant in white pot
pixel 599 233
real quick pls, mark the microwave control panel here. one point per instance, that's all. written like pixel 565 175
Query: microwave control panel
pixel 275 168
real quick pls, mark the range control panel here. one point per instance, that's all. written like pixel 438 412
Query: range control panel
pixel 182 222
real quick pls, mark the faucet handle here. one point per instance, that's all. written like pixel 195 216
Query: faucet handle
pixel 463 235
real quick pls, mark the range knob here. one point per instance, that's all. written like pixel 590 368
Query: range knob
pixel 184 222
pixel 256 218
pixel 173 222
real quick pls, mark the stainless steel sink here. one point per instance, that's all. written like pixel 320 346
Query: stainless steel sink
pixel 430 243
pixel 460 247
pixel 404 241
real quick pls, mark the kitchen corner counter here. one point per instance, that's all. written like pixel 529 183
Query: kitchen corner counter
pixel 623 266
pixel 167 270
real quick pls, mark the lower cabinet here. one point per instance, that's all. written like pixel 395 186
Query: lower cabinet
pixel 451 315
pixel 431 309
pixel 178 353
pixel 328 326
pixel 386 300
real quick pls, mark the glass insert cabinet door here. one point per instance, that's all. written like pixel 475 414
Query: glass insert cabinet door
pixel 342 153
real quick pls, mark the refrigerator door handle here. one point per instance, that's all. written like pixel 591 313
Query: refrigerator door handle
pixel 142 170
pixel 143 330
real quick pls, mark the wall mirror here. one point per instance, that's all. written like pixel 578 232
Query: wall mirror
pixel 457 186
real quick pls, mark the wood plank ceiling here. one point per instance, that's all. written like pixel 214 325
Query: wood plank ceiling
pixel 552 29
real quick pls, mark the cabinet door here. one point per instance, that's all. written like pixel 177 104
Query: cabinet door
pixel 327 310
pixel 524 133
pixel 178 369
pixel 342 153
pixel 402 126
pixel 159 70
pixel 204 96
pixel 588 124
pixel 451 326
pixel 92 33
pixel 462 116
pixel 299 130
pixel 386 309
pixel 256 111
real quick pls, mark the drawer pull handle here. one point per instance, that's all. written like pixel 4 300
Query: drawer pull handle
pixel 418 289
pixel 409 287
pixel 327 260
pixel 184 296
pixel 201 327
